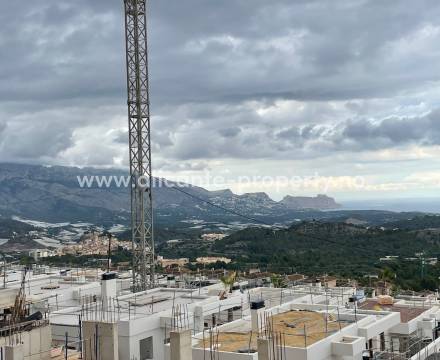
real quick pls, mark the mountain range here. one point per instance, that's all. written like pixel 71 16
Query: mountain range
pixel 53 193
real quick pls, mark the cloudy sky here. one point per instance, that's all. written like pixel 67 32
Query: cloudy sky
pixel 345 91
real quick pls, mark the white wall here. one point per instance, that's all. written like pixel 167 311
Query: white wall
pixel 36 343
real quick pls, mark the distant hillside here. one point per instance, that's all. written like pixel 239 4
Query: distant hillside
pixel 320 246
pixel 424 222
pixel 317 248
pixel 8 227
pixel 322 202
pixel 14 235
pixel 53 194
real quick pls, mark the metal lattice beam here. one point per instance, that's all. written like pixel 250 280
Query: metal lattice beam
pixel 139 142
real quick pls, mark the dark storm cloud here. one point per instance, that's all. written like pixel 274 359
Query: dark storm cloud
pixel 209 60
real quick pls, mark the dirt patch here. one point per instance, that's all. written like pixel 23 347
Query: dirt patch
pixel 300 329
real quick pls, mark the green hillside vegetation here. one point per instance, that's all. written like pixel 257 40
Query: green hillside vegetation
pixel 417 223
pixel 336 248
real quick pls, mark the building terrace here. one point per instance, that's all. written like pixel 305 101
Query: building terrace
pixel 305 331
pixel 300 328
pixel 407 313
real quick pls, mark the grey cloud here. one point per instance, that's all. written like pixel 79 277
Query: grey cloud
pixel 121 136
pixel 38 141
pixel 45 135
pixel 363 134
pixel 70 50
pixel 290 134
pixel 299 135
pixel 161 138
pixel 182 166
pixel 315 141
pixel 230 132
pixel 209 61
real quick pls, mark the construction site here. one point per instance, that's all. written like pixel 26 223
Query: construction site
pixel 91 314
pixel 94 314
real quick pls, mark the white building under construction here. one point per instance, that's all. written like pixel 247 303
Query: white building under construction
pixel 92 315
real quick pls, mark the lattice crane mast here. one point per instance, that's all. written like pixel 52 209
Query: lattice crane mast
pixel 139 143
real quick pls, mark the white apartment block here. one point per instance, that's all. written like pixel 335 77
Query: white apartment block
pixel 96 315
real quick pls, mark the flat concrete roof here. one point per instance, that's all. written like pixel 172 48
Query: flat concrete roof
pixel 130 307
pixel 158 300
pixel 407 313
pixel 300 329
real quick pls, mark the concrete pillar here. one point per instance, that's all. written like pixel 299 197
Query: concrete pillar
pixel 100 340
pixel 181 345
pixel 14 352
pixel 45 342
pixel 230 315
pixel 108 288
pixel 263 349
pixel 257 309
pixel 255 321
pixel 199 320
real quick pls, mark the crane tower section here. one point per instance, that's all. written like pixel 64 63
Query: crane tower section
pixel 139 143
